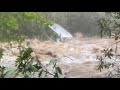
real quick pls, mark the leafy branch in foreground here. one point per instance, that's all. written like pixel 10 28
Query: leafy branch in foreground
pixel 3 72
pixel 109 60
pixel 28 66
pixel 110 26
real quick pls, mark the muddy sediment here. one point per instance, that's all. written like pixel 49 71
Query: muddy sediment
pixel 78 56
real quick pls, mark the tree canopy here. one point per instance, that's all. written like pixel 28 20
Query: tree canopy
pixel 12 22
pixel 110 24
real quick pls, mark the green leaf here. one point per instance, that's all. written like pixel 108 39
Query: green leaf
pixel 29 64
pixel 56 75
pixel 59 70
pixel 40 73
pixel 33 68
pixel 50 63
pixel 37 66
pixel 26 76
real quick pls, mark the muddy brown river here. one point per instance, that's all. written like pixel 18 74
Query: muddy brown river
pixel 78 57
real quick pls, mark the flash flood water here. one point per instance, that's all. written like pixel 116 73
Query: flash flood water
pixel 78 56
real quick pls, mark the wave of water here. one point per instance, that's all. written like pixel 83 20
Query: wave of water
pixel 82 51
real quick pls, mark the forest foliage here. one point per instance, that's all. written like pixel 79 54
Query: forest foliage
pixel 17 26
pixel 110 26
pixel 26 66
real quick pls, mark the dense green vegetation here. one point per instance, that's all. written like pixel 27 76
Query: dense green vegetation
pixel 11 29
pixel 14 24
pixel 110 26
pixel 17 26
